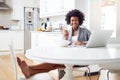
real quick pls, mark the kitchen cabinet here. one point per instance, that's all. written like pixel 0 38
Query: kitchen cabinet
pixel 55 7
pixel 44 38
pixel 4 40
pixel 17 9
pixel 61 7
pixel 16 37
pixel 31 3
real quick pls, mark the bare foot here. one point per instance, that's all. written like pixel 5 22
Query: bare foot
pixel 24 67
pixel 19 60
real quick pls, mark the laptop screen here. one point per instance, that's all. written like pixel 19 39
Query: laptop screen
pixel 99 38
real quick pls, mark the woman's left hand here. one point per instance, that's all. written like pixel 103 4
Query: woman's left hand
pixel 79 43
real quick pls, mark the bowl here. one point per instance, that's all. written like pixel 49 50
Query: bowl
pixel 62 43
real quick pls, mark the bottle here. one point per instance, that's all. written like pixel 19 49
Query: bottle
pixel 49 25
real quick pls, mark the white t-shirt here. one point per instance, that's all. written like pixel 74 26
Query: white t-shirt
pixel 74 39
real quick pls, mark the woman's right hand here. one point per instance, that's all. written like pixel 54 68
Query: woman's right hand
pixel 65 33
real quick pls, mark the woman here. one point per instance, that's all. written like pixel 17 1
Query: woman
pixel 77 36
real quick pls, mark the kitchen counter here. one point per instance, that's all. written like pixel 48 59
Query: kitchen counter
pixel 44 38
pixel 6 36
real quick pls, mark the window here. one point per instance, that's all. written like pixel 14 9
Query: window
pixel 109 16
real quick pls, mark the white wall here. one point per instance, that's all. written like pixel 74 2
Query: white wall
pixel 95 14
pixel 5 19
pixel 83 5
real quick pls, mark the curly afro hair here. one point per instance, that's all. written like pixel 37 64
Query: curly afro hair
pixel 75 13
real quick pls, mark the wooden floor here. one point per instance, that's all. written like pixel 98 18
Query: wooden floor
pixel 7 73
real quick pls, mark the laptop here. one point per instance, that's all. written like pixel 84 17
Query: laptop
pixel 99 38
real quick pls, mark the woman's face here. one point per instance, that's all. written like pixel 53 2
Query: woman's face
pixel 74 22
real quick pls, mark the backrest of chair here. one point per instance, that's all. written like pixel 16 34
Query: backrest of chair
pixel 14 61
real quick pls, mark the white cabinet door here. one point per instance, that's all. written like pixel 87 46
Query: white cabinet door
pixel 5 38
pixel 16 37
pixel 53 7
pixel 44 38
pixel 17 9
pixel 40 39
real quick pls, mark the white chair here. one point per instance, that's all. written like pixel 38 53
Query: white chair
pixel 111 67
pixel 40 76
